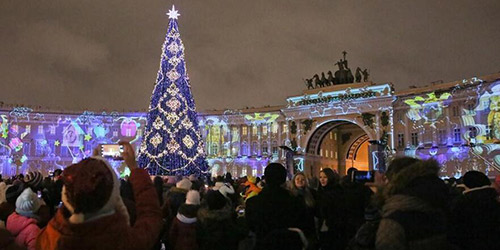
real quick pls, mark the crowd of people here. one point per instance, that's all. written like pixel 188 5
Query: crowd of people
pixel 87 206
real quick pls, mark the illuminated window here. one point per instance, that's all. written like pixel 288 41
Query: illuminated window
pixel 254 172
pixel 255 148
pixel 472 132
pixel 244 149
pixel 285 128
pixel 326 153
pixel 28 129
pixel 456 135
pixel 321 152
pixel 331 154
pixel 244 130
pixel 215 148
pixel 26 148
pixel 254 130
pixel 331 135
pixel 442 136
pixel 243 171
pixel 414 139
pixel 115 133
pixel 489 135
pixel 264 130
pixel 401 140
pixel 455 110
pixel 40 129
pixel 52 130
pixel 274 128
pixel 39 148
pixel 264 148
pixel 336 155
pixel 275 147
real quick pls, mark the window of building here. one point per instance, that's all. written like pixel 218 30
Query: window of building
pixel 331 135
pixel 472 132
pixel 39 147
pixel 243 171
pixel 264 130
pixel 244 149
pixel 264 148
pixel 40 129
pixel 115 133
pixel 456 135
pixel 470 108
pixel 255 148
pixel 331 153
pixel 321 152
pixel 215 149
pixel 52 130
pixel 489 135
pixel 274 128
pixel 401 140
pixel 285 128
pixel 244 130
pixel 455 110
pixel 254 130
pixel 254 172
pixel 414 139
pixel 442 136
pixel 26 148
pixel 336 155
pixel 275 147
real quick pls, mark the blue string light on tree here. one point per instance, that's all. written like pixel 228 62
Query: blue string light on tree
pixel 172 143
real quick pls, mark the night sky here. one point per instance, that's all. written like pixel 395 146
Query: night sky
pixel 95 54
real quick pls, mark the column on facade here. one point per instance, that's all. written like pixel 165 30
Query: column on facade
pixel 407 138
pixel 221 146
pixel 240 140
pixel 230 140
pixel 448 125
pixel 377 125
pixel 259 136
pixel 269 127
pixel 280 131
pixel 209 139
pixel 249 140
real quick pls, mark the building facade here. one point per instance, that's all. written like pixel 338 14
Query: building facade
pixel 360 125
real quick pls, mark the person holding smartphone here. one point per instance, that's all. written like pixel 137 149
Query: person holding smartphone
pixel 93 215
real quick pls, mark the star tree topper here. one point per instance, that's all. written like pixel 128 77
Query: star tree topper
pixel 173 13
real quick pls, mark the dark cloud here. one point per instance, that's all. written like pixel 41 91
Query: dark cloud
pixel 105 54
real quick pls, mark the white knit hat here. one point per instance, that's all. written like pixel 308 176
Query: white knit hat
pixel 184 184
pixel 193 197
pixel 27 204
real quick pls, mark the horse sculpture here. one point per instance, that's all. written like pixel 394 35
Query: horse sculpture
pixel 358 74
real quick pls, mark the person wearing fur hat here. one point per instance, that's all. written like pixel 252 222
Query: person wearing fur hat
pixel 182 235
pixel 23 223
pixel 415 208
pixel 274 208
pixel 475 216
pixel 93 215
pixel 218 229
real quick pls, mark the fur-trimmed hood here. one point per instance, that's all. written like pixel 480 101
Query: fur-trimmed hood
pixel 205 214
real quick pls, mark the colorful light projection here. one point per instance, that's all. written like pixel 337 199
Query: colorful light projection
pixel 44 142
pixel 429 108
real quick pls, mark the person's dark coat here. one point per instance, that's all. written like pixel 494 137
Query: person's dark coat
pixel 414 214
pixel 218 229
pixel 330 210
pixel 273 209
pixel 183 231
pixel 475 220
pixel 356 200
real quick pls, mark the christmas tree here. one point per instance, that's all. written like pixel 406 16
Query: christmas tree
pixel 172 143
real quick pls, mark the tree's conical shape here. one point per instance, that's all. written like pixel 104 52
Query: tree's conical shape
pixel 172 143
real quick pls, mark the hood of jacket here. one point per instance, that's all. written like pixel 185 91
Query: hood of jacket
pixel 17 223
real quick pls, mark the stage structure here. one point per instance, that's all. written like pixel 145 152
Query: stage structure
pixel 172 144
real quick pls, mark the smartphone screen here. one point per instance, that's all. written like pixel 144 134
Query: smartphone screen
pixel 111 151
pixel 39 193
pixel 364 176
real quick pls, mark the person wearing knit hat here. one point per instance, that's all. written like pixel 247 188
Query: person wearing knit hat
pixel 93 215
pixel 33 180
pixel 182 234
pixel 23 223
pixel 475 215
pixel 275 207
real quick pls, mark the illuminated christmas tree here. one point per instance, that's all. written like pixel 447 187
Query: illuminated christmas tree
pixel 172 143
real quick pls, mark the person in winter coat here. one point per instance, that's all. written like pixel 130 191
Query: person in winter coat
pixel 475 216
pixel 274 208
pixel 7 242
pixel 9 206
pixel 413 216
pixel 300 188
pixel 23 223
pixel 218 229
pixel 93 215
pixel 182 234
pixel 330 210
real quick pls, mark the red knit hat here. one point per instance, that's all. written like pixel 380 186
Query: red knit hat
pixel 91 189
